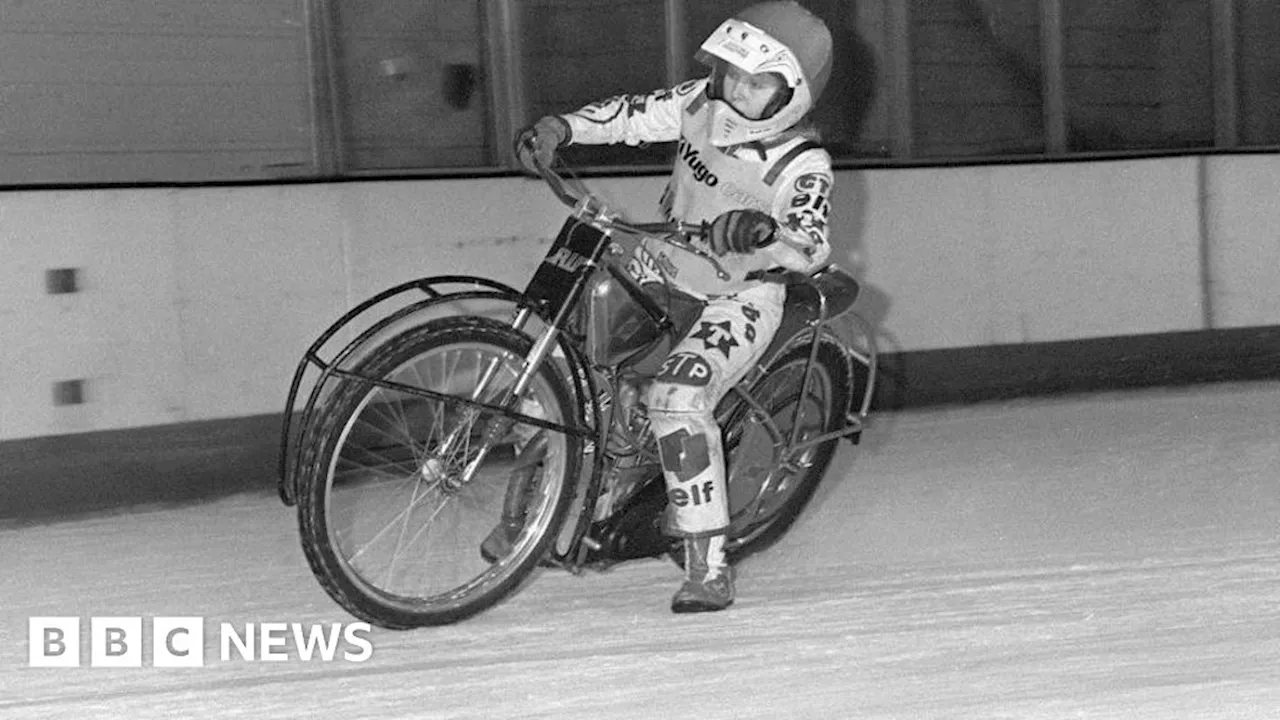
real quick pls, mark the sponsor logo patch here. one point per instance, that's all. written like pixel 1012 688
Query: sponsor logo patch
pixel 716 336
pixel 691 157
pixel 643 267
pixel 683 454
pixel 809 208
pixel 566 260
pixel 685 368
pixel 694 495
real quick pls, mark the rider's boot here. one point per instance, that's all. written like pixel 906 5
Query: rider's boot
pixel 520 485
pixel 691 450
pixel 497 544
pixel 708 578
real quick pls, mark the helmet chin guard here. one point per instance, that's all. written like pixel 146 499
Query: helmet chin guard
pixel 770 37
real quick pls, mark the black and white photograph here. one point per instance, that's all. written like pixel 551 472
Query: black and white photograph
pixel 705 359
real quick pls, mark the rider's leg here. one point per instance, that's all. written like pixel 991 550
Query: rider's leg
pixel 726 340
pixel 521 482
pixel 529 443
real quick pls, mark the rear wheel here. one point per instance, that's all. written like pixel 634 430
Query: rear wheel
pixel 390 526
pixel 765 499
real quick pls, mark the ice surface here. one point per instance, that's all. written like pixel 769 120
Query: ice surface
pixel 1108 556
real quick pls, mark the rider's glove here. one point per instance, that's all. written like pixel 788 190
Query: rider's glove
pixel 741 231
pixel 540 141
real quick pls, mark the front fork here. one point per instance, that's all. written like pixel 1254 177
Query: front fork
pixel 500 425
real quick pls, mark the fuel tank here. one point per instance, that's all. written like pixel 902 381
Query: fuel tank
pixel 617 330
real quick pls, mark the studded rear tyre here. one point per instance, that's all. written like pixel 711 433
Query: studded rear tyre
pixel 763 505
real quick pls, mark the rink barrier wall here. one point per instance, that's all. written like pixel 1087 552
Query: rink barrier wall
pixel 140 308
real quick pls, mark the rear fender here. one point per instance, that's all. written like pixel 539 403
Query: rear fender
pixel 818 310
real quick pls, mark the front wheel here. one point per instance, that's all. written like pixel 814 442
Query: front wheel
pixel 764 498
pixel 391 519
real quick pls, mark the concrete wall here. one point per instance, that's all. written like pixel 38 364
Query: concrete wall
pixel 195 303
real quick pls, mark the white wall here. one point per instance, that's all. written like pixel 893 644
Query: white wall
pixel 1243 224
pixel 1032 253
pixel 197 303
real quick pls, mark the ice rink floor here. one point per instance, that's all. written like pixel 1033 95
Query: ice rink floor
pixel 1100 556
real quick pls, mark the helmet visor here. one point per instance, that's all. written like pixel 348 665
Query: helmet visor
pixel 751 50
pixel 764 95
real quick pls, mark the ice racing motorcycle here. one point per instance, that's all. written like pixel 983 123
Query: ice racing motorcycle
pixel 459 433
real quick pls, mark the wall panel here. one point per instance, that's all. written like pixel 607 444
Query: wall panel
pixel 118 334
pixel 1244 223
pixel 197 302
pixel 411 84
pixel 1258 58
pixel 977 86
pixel 186 90
pixel 1138 74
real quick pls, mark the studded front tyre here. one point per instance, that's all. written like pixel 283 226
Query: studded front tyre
pixel 398 490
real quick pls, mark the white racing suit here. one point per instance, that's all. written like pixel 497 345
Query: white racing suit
pixel 788 177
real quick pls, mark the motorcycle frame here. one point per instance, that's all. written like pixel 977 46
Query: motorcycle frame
pixel 586 425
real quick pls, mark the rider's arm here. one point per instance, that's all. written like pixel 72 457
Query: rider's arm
pixel 801 208
pixel 633 119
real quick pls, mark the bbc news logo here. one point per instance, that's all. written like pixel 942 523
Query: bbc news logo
pixel 180 642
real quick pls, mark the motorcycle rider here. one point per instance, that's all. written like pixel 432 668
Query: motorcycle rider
pixel 746 164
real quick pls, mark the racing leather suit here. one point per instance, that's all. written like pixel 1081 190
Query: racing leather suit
pixel 789 177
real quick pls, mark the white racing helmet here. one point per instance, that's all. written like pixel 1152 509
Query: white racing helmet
pixel 779 37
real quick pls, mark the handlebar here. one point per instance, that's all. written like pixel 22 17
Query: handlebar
pixel 590 209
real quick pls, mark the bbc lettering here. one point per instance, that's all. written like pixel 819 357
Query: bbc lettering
pixel 179 642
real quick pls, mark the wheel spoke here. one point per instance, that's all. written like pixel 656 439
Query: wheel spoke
pixel 398 540
pixel 445 499
pixel 763 505
pixel 395 425
pixel 400 517
pixel 404 527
